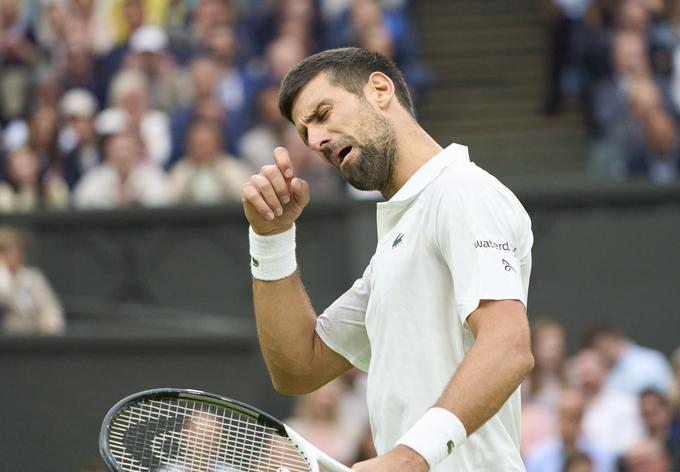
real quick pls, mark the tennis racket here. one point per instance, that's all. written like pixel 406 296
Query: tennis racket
pixel 179 430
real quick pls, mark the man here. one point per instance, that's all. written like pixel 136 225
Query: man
pixel 124 179
pixel 657 416
pixel 611 418
pixel 438 319
pixel 632 368
pixel 646 456
pixel 554 455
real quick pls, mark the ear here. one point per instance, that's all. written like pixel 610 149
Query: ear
pixel 381 88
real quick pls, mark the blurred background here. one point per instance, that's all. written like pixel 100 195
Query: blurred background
pixel 127 128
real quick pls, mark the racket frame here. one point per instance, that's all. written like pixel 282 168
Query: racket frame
pixel 313 455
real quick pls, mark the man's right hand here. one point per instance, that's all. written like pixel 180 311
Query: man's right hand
pixel 274 198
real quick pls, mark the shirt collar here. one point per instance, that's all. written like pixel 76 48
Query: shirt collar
pixel 453 154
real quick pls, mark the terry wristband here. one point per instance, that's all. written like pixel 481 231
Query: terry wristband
pixel 435 435
pixel 272 257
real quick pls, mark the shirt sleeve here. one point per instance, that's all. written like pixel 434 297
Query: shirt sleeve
pixel 342 325
pixel 485 238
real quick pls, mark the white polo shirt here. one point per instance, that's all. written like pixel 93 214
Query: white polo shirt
pixel 451 236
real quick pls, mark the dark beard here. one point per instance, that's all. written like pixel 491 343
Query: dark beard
pixel 376 155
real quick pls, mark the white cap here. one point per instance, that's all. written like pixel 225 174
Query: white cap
pixel 111 121
pixel 79 103
pixel 148 38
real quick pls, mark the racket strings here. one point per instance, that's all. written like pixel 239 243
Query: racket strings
pixel 178 435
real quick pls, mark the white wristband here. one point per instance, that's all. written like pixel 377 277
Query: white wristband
pixel 272 257
pixel 435 435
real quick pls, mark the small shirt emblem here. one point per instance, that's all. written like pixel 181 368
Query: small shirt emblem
pixel 398 240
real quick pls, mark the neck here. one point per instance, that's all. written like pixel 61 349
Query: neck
pixel 414 148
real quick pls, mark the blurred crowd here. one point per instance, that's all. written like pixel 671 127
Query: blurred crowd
pixel 613 406
pixel 621 58
pixel 114 103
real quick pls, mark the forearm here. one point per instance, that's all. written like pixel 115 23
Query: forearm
pixel 491 371
pixel 285 322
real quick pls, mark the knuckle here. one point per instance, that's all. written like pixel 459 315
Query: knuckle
pixel 268 171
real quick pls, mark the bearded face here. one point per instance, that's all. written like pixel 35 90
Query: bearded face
pixel 367 158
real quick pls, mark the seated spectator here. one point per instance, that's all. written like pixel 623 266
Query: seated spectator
pixel 541 390
pixel 257 145
pixel 657 416
pixel 149 55
pixel 632 368
pixel 43 138
pixel 205 104
pixel 206 175
pixel 554 454
pixel 611 418
pixel 78 137
pixel 27 302
pixel 125 178
pixel 578 462
pixel 129 93
pixel 675 387
pixel 646 456
pixel 20 55
pixel 548 377
pixel 26 189
pixel 659 158
pixel 316 417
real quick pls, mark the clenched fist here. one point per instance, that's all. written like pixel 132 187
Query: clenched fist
pixel 274 198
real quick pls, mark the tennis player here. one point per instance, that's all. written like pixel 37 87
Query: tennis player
pixel 438 319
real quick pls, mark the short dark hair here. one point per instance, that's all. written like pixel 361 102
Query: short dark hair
pixel 656 393
pixel 347 67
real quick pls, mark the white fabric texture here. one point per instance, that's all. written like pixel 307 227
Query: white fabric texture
pixel 272 257
pixel 452 236
pixel 435 435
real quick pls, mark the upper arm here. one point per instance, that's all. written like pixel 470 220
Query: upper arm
pixel 499 317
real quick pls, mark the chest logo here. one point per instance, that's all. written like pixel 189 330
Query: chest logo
pixel 398 240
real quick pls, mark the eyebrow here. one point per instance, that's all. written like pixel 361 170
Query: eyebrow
pixel 308 118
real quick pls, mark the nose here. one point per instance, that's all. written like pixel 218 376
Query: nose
pixel 318 137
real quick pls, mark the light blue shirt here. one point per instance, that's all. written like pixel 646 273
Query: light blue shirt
pixel 640 368
pixel 551 457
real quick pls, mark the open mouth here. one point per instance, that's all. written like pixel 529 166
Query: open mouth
pixel 343 153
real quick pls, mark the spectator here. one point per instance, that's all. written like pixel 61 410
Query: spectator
pixel 129 93
pixel 78 137
pixel 657 416
pixel 578 462
pixel 43 138
pixel 150 56
pixel 26 189
pixel 659 159
pixel 632 368
pixel 541 390
pixel 27 301
pixel 124 179
pixel 675 388
pixel 19 57
pixel 206 175
pixel 316 417
pixel 257 145
pixel 204 105
pixel 611 417
pixel 646 456
pixel 231 87
pixel 554 454
pixel 548 377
